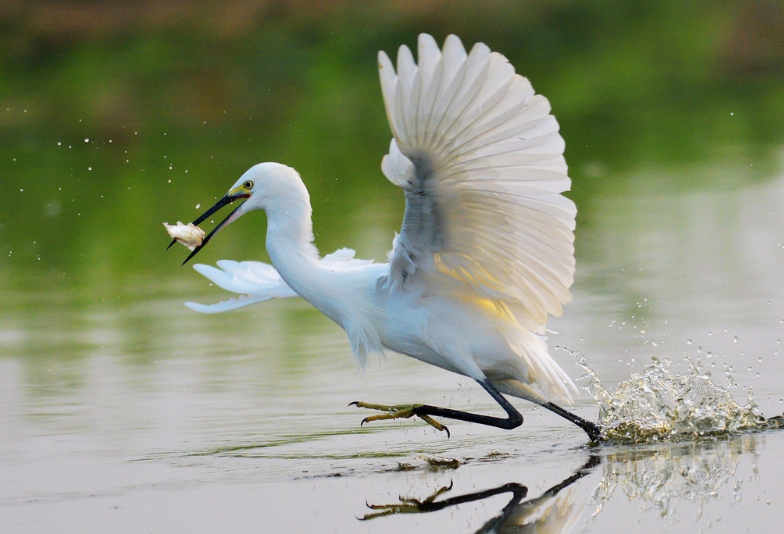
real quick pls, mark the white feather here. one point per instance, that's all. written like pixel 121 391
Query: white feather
pixel 396 167
pixel 483 160
pixel 258 282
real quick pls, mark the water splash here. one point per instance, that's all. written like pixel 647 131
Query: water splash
pixel 657 405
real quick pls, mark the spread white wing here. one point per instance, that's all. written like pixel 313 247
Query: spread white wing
pixel 256 281
pixel 481 162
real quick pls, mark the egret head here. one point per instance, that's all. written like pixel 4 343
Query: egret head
pixel 263 186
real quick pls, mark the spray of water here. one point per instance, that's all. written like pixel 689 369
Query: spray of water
pixel 658 405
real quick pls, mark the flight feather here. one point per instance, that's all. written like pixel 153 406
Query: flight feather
pixel 481 161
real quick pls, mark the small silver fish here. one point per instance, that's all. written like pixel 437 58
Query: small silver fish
pixel 189 234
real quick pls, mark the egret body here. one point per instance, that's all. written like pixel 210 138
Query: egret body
pixel 485 253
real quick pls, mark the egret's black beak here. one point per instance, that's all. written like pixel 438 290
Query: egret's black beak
pixel 224 201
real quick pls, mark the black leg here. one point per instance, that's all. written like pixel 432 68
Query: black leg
pixel 514 420
pixel 593 431
pixel 425 411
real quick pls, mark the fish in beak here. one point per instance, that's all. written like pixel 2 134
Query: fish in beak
pixel 237 193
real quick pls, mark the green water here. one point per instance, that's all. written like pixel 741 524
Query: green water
pixel 122 410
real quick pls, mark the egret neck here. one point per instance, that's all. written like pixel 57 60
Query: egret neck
pixel 291 249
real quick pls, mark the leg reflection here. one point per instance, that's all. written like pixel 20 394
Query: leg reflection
pixel 415 506
pixel 515 514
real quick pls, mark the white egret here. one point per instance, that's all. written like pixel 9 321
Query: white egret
pixel 486 250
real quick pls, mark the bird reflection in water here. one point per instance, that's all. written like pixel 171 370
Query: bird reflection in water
pixel 663 477
pixel 666 476
pixel 554 511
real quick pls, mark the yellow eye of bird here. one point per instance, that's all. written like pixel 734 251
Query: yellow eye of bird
pixel 248 185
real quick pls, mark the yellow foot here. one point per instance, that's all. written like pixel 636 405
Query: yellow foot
pixel 400 411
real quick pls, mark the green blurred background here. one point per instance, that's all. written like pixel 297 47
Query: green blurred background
pixel 116 116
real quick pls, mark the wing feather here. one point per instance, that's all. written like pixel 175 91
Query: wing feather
pixel 388 80
pixel 406 74
pixel 481 160
pixel 452 66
